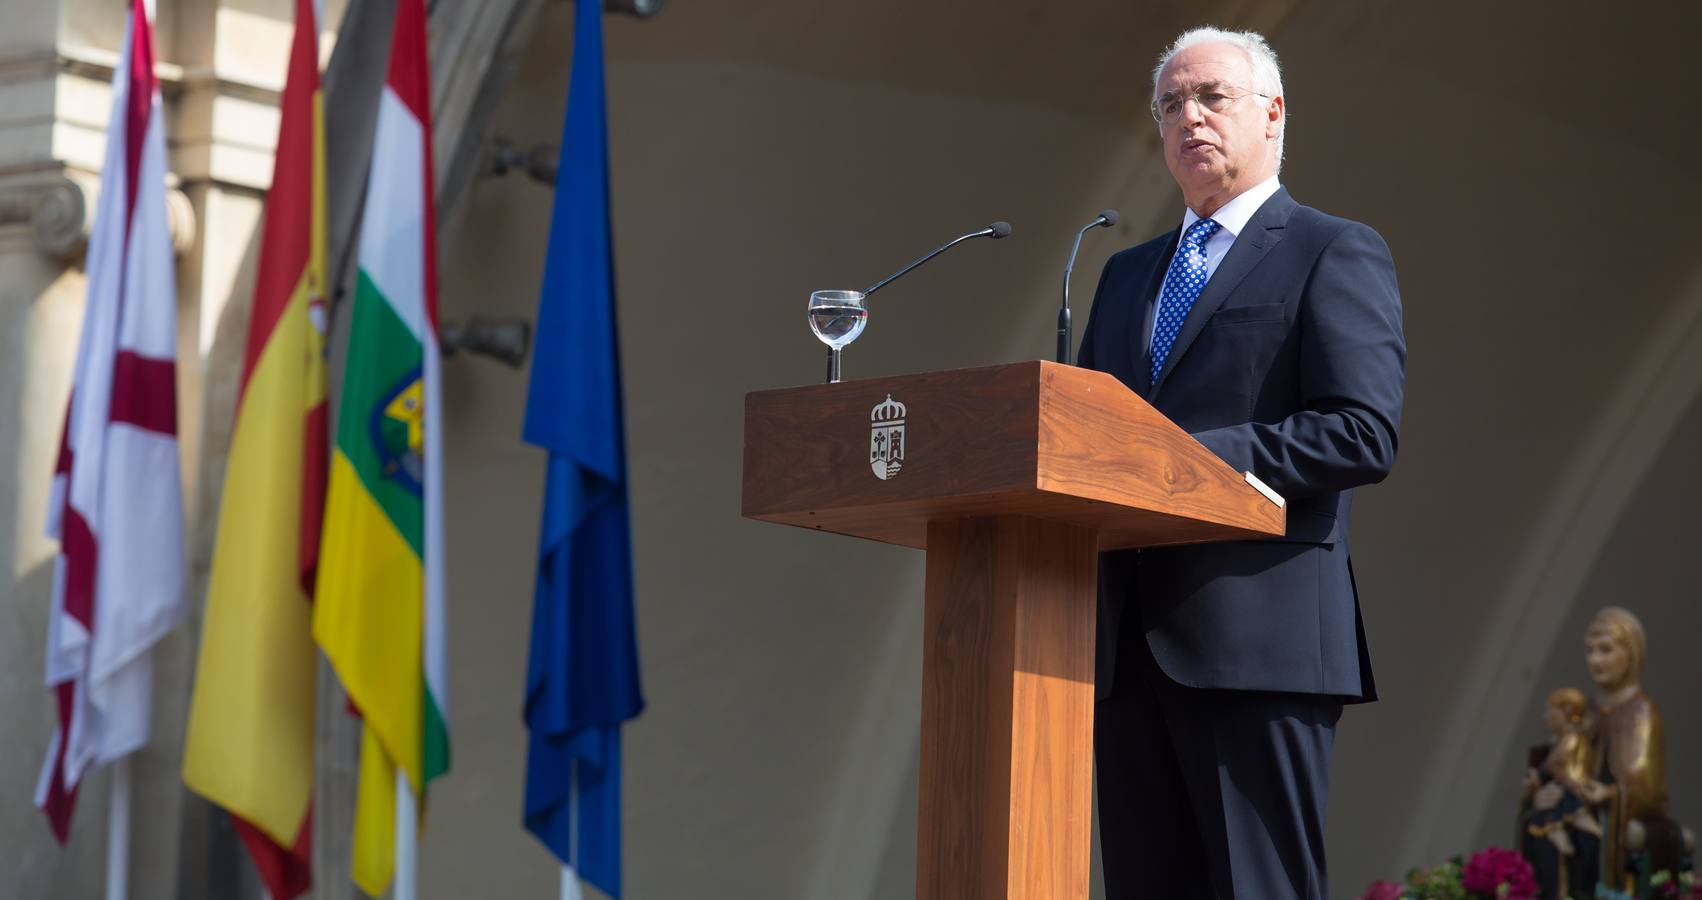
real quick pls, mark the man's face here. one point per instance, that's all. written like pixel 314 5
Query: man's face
pixel 1217 154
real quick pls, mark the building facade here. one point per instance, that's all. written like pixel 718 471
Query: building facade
pixel 1536 204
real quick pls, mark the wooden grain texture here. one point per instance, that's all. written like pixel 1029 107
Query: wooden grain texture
pixel 962 847
pixel 1004 806
pixel 968 431
pixel 1098 440
pixel 1034 439
pixel 1013 477
pixel 1051 737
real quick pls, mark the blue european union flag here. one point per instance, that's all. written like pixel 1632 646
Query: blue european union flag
pixel 582 679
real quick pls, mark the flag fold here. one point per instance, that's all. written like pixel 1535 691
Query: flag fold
pixel 249 745
pixel 379 610
pixel 116 505
pixel 582 678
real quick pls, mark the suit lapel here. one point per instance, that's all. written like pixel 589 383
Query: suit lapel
pixel 1262 233
pixel 1140 349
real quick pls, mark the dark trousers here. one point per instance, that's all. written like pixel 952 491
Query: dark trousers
pixel 1208 793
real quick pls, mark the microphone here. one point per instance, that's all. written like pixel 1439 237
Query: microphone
pixel 995 231
pixel 1106 218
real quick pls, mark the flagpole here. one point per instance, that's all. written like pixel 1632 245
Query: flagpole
pixel 407 840
pixel 118 829
pixel 118 784
pixel 569 879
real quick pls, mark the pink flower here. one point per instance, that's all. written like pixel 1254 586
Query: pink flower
pixel 1382 890
pixel 1486 872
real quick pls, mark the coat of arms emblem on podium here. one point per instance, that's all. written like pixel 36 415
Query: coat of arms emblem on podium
pixel 886 438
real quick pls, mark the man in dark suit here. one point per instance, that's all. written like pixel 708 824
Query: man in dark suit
pixel 1272 333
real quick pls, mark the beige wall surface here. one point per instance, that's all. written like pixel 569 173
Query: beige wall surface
pixel 760 159
pixel 780 667
pixel 1648 566
pixel 1537 206
pixel 1528 344
pixel 40 311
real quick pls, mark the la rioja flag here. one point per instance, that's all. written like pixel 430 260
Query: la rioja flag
pixel 117 504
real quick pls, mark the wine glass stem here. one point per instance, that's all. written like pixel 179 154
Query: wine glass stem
pixel 833 365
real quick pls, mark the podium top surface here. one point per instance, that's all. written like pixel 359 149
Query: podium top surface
pixel 880 458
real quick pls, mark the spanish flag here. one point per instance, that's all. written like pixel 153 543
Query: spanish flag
pixel 249 747
pixel 379 612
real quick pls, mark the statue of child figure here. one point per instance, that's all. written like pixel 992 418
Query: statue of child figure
pixel 1570 762
pixel 1618 781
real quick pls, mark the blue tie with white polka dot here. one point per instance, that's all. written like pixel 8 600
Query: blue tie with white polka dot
pixel 1182 286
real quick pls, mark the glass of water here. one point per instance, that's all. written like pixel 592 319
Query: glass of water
pixel 837 317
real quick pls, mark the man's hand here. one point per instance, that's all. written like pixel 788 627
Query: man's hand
pixel 1351 380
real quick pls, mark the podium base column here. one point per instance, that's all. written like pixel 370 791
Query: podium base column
pixel 1007 711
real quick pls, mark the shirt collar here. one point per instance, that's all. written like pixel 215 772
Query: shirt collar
pixel 1235 214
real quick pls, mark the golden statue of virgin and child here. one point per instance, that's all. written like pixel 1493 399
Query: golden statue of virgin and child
pixel 1593 820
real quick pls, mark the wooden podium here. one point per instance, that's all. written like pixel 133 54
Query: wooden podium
pixel 1012 478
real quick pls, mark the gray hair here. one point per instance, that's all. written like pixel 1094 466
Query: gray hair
pixel 1267 72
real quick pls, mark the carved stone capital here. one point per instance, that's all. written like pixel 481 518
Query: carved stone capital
pixel 180 217
pixel 62 214
pixel 58 208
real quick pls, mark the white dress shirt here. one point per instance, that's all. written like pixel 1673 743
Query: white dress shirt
pixel 1232 219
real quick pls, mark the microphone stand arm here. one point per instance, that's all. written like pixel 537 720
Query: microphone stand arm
pixel 1064 309
pixel 942 248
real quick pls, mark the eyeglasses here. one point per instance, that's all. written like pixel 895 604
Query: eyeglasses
pixel 1213 98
